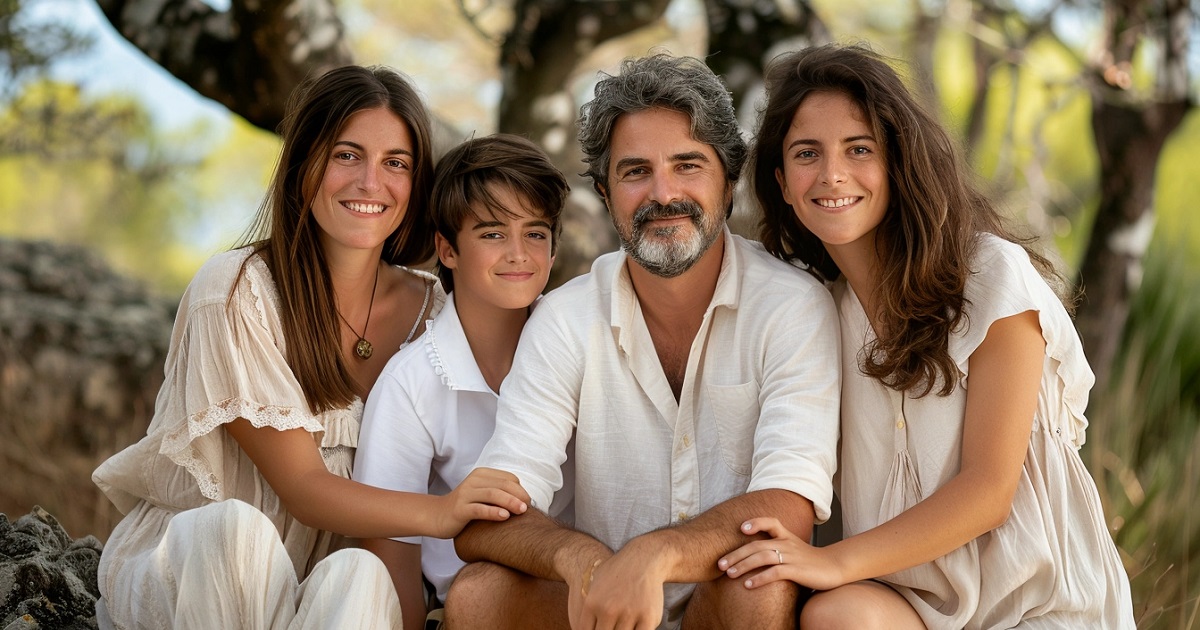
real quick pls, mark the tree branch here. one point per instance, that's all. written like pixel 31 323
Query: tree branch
pixel 248 58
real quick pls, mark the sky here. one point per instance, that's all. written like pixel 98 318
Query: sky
pixel 115 66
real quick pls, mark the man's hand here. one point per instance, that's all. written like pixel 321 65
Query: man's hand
pixel 486 494
pixel 624 591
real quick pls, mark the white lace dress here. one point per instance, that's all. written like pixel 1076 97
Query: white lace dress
pixel 226 361
pixel 1053 563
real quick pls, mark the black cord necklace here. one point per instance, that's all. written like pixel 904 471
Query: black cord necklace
pixel 363 348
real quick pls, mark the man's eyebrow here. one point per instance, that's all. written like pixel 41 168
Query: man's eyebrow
pixel 687 156
pixel 629 162
pixel 690 156
pixel 359 147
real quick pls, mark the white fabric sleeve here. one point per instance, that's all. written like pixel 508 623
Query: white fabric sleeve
pixel 538 407
pixel 1005 283
pixel 395 447
pixel 227 362
pixel 795 442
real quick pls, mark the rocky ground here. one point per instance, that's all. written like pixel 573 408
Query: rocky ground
pixel 81 359
pixel 81 355
pixel 47 579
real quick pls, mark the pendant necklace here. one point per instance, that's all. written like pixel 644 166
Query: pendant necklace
pixel 363 348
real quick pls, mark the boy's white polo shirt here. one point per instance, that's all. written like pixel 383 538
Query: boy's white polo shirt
pixel 425 422
pixel 424 425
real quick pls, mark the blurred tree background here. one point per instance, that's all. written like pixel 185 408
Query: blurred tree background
pixel 1078 114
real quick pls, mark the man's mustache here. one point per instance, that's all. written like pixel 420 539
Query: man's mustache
pixel 653 211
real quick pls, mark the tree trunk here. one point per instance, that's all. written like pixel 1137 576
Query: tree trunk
pixel 1130 133
pixel 1129 139
pixel 248 57
pixel 743 33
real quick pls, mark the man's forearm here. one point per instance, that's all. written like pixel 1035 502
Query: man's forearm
pixel 532 543
pixel 692 548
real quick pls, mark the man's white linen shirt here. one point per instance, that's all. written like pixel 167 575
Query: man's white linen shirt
pixel 759 398
pixel 425 422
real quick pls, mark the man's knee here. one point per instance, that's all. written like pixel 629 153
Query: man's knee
pixel 769 606
pixel 479 586
pixel 486 595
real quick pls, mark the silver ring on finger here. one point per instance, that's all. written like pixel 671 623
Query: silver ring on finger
pixel 778 555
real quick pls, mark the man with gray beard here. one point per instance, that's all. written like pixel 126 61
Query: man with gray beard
pixel 697 375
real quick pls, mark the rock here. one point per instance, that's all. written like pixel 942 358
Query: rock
pixel 81 346
pixel 47 580
pixel 82 350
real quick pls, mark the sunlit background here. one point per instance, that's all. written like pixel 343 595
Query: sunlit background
pixel 139 168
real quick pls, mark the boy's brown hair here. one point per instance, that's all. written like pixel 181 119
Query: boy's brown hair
pixel 461 186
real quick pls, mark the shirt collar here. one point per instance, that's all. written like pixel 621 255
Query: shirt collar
pixel 727 292
pixel 450 353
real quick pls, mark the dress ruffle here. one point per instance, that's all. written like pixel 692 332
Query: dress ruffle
pixel 1014 286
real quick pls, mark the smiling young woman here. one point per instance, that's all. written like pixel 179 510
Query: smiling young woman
pixel 238 498
pixel 964 500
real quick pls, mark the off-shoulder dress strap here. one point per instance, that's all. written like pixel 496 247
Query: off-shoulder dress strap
pixel 422 313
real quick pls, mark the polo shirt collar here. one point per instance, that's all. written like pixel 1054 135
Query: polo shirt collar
pixel 450 353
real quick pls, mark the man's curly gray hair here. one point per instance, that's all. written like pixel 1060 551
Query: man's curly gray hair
pixel 684 84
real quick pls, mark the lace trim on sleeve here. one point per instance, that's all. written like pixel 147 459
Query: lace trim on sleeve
pixel 187 446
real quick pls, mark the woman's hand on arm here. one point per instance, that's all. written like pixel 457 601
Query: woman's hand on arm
pixel 486 495
pixel 783 556
pixel 291 463
pixel 1005 377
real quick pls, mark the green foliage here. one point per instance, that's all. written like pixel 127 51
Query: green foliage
pixel 28 49
pixel 1144 445
pixel 94 171
pixel 232 179
pixel 1175 192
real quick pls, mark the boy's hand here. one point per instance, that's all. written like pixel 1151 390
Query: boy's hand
pixel 486 494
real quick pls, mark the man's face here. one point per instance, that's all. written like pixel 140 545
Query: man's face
pixel 667 192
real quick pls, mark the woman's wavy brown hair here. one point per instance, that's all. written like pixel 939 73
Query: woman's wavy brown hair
pixel 285 232
pixel 928 234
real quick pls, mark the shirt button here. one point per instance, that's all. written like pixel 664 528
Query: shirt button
pixel 899 424
pixel 683 516
pixel 687 442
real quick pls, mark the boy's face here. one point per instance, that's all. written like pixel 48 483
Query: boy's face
pixel 501 261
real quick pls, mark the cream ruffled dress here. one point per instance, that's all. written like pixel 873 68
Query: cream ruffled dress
pixel 1053 564
pixel 226 361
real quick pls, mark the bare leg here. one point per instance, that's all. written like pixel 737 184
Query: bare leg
pixel 862 605
pixel 727 604
pixel 486 595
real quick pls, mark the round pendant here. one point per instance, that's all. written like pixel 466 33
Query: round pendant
pixel 363 349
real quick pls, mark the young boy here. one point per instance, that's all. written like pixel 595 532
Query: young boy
pixel 496 204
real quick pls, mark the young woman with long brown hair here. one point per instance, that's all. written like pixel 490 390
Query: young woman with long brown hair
pixel 965 503
pixel 238 497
